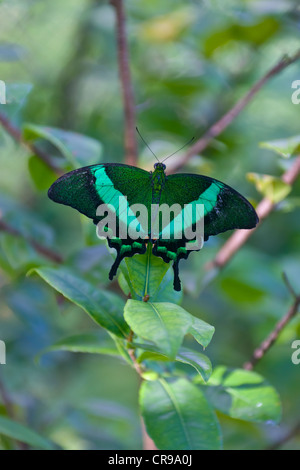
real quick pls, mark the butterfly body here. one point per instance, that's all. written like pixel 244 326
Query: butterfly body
pixel 158 179
pixel 87 188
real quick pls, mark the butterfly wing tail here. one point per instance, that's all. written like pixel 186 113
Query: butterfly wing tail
pixel 176 282
pixel 124 248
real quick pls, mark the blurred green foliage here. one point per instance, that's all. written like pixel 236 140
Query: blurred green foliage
pixel 190 62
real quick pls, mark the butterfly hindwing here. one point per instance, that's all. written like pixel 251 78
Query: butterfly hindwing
pixel 223 209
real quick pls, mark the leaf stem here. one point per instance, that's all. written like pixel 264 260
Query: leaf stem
pixel 131 353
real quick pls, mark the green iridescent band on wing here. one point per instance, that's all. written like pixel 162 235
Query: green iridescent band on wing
pixel 89 187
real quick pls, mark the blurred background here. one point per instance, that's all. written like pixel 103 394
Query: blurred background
pixel 190 63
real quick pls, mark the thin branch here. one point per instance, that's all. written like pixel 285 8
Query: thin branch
pixel 16 134
pixel 265 346
pixel 239 237
pixel 45 251
pixel 289 286
pixel 227 119
pixel 287 437
pixel 270 340
pixel 126 85
pixel 148 443
pixel 131 353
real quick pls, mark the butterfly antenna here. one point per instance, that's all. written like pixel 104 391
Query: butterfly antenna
pixel 146 143
pixel 179 149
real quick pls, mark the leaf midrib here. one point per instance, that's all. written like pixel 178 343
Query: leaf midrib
pixel 177 408
pixel 89 300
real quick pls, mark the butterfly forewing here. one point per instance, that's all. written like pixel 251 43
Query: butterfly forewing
pixel 77 189
pixel 88 187
pixel 224 208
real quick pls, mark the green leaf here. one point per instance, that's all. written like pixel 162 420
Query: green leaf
pixel 147 351
pixel 146 273
pixel 104 308
pixel 92 342
pixel 269 186
pixel 241 291
pixel 243 395
pixel 284 147
pixel 178 417
pixel 201 331
pixel 157 274
pixel 199 361
pixel 166 292
pixel 22 433
pixel 79 150
pixel 162 323
pixel 19 252
pixel 41 174
pixel 255 34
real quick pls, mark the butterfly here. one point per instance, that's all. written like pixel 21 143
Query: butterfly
pixel 87 188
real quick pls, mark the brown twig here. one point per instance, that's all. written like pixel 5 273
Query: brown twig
pixel 148 443
pixel 227 119
pixel 270 340
pixel 287 437
pixel 260 352
pixel 131 353
pixel 126 85
pixel 47 252
pixel 239 237
pixel 16 134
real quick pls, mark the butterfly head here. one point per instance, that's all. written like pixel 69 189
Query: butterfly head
pixel 158 176
pixel 159 166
